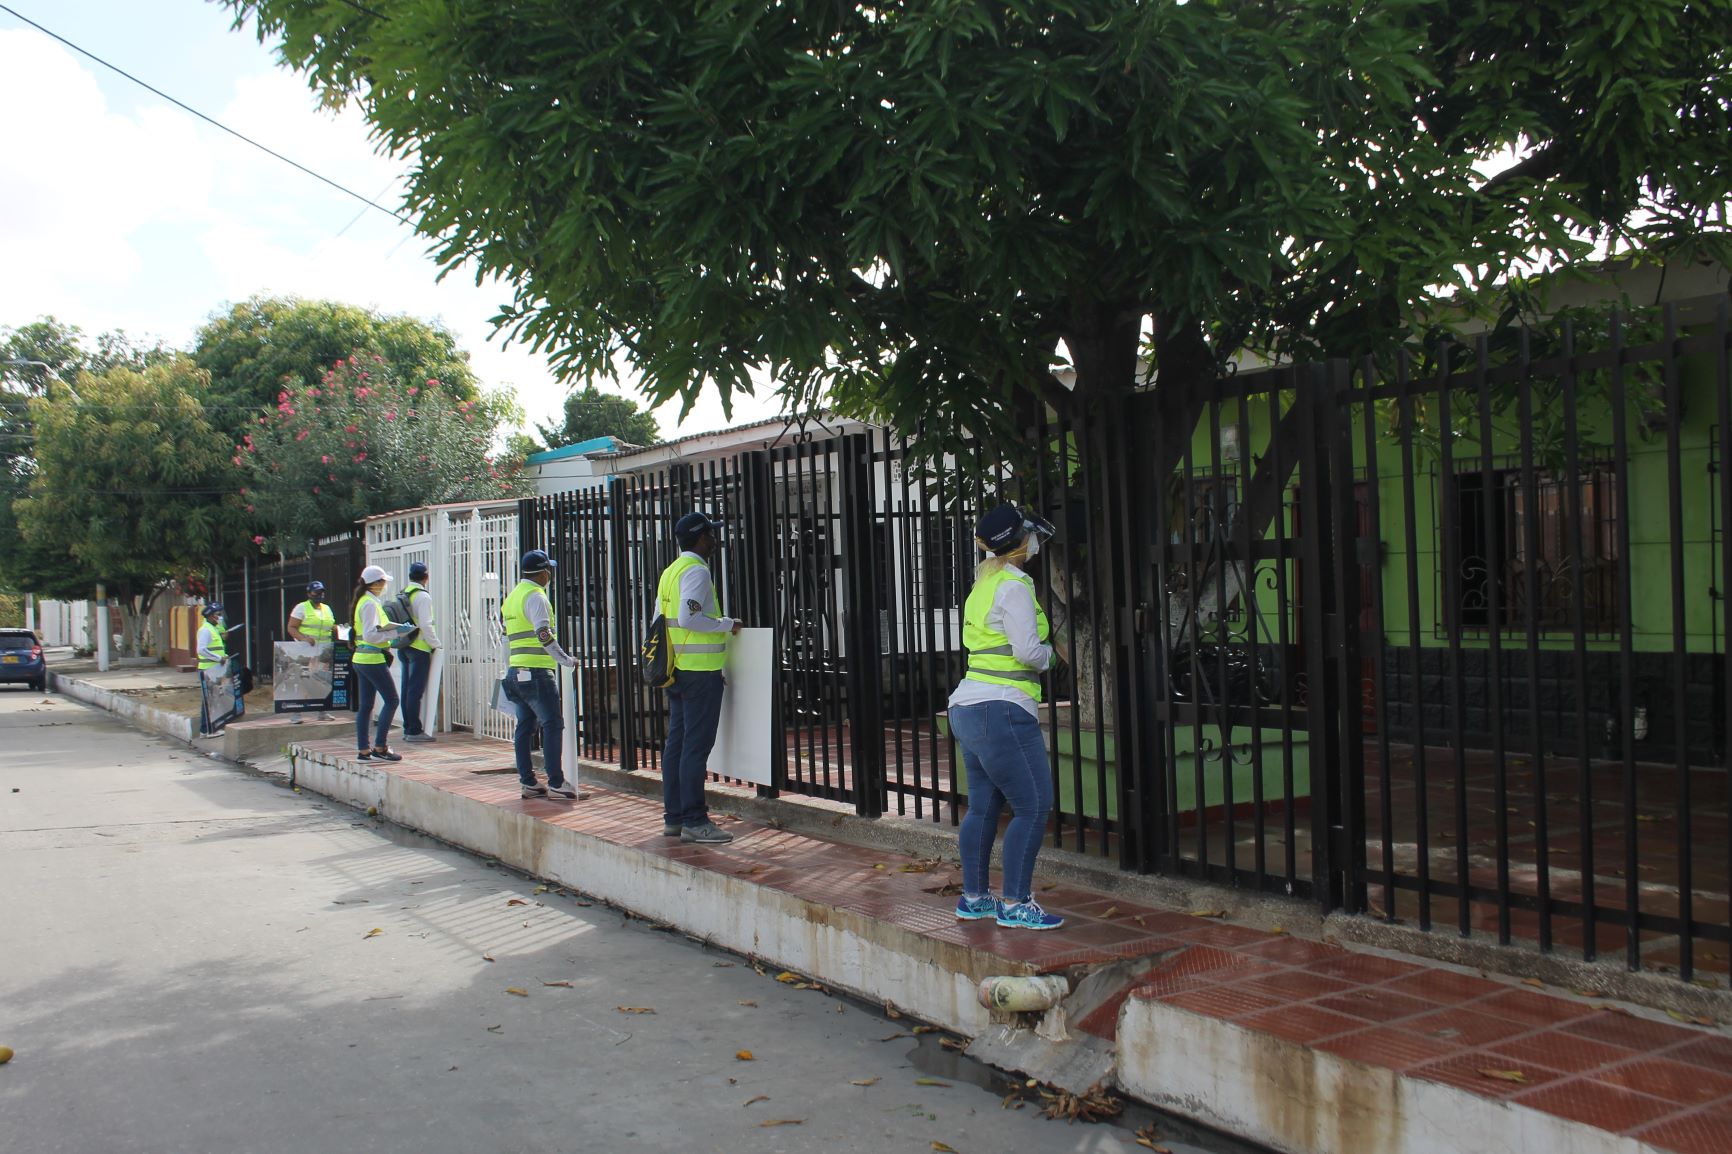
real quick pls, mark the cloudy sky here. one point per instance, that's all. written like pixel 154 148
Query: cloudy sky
pixel 119 210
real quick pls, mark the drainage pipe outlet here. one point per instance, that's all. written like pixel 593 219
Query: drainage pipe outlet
pixel 1024 993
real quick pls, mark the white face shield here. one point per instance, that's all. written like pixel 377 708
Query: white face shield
pixel 1039 531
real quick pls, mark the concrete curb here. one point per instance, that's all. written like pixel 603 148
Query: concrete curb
pixel 874 960
pixel 1308 1101
pixel 168 724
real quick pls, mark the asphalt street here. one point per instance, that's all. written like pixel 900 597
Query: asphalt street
pixel 197 959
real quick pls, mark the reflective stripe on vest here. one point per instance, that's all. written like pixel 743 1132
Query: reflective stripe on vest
pixel 215 645
pixel 420 641
pixel 692 648
pixel 367 653
pixel 317 621
pixel 520 636
pixel 989 654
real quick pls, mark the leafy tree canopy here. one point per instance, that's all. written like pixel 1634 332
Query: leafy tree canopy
pixel 365 439
pixel 924 206
pixel 32 357
pixel 262 345
pixel 591 413
pixel 133 482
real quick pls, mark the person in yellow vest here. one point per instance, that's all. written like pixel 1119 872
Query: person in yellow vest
pixel 417 653
pixel 994 715
pixel 698 639
pixel 213 662
pixel 313 622
pixel 531 652
pixel 375 635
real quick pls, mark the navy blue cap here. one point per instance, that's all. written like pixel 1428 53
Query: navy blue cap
pixel 537 561
pixel 418 571
pixel 694 525
pixel 213 607
pixel 315 587
pixel 1001 529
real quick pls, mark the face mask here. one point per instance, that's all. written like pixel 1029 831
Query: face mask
pixel 1033 545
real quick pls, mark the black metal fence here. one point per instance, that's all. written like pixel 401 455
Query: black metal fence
pixel 260 596
pixel 1441 640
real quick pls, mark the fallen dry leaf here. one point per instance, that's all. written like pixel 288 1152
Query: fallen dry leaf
pixel 723 965
pixel 522 993
pixel 1208 913
pixel 893 1037
pixel 1504 1075
pixel 942 1148
pixel 952 1044
pixel 878 865
pixel 1589 993
pixel 783 1122
pixel 372 933
pixel 1534 982
pixel 487 957
pixel 561 983
pixel 1048 886
pixel 496 1029
pixel 1277 929
pixel 787 977
pixel 930 1082
pixel 891 1012
pixel 1693 1019
pixel 6 1056
pixel 1137 918
pixel 756 1098
pixel 744 1056
pixel 541 889
pixel 747 1002
pixel 1111 910
pixel 635 1009
pixel 840 1009
pixel 925 1029
pixel 516 902
pixel 863 1082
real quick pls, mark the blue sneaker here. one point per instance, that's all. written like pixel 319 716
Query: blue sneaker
pixel 974 909
pixel 1027 916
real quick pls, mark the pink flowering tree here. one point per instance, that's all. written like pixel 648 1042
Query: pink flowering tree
pixel 363 440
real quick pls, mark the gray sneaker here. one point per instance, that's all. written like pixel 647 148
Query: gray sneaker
pixel 535 790
pixel 705 834
pixel 671 829
pixel 564 789
pixel 419 737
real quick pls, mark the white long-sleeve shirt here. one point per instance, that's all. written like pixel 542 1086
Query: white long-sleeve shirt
pixel 376 629
pixel 1012 614
pixel 421 612
pixel 697 592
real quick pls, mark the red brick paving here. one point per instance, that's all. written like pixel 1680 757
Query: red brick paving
pixel 1668 1085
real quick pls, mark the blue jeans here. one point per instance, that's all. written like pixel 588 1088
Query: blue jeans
pixel 1006 760
pixel 537 702
pixel 416 666
pixel 694 711
pixel 376 684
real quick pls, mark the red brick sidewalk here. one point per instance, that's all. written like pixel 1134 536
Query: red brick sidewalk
pixel 1666 1084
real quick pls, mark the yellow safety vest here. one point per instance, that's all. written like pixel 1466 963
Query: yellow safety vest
pixel 692 649
pixel 526 650
pixel 989 656
pixel 420 641
pixel 317 621
pixel 217 645
pixel 366 653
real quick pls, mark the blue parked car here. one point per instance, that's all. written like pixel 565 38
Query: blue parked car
pixel 21 659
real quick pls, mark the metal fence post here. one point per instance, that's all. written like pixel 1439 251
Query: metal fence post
pixel 864 673
pixel 625 645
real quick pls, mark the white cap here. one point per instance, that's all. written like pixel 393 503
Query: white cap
pixel 373 573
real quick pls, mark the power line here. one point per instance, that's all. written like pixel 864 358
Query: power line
pixel 209 119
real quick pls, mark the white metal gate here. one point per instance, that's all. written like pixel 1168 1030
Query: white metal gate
pixel 471 553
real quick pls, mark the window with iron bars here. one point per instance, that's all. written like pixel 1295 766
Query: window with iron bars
pixel 1539 581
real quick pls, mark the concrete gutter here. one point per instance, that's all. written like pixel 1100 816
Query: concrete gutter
pixel 125 706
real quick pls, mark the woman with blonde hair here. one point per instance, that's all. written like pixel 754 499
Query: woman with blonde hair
pixel 994 715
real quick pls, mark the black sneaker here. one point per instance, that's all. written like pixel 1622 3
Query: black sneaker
pixel 419 737
pixel 671 829
pixel 535 789
pixel 363 755
pixel 705 834
pixel 387 754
